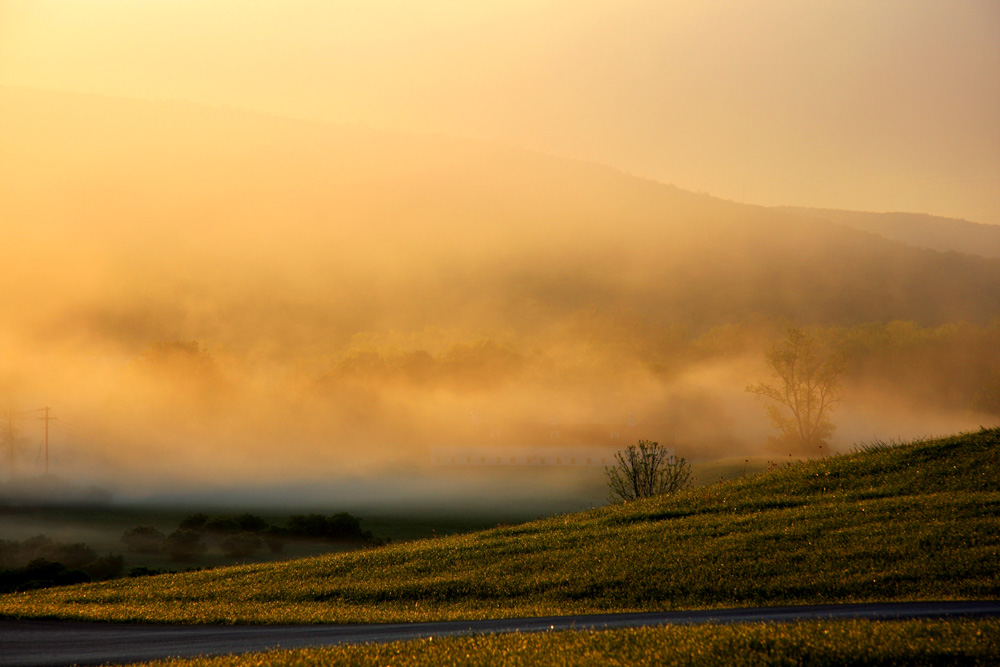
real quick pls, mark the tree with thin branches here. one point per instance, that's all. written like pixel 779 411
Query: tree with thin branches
pixel 805 386
pixel 646 470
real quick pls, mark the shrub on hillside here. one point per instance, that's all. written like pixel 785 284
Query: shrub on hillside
pixel 646 471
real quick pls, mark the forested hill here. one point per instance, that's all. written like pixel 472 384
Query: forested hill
pixel 164 220
pixel 916 229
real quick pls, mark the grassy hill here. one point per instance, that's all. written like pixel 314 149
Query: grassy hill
pixel 913 521
pixel 834 643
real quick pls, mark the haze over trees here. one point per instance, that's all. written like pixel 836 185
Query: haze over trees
pixel 307 300
pixel 805 386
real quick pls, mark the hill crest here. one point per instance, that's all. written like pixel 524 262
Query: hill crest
pixel 144 192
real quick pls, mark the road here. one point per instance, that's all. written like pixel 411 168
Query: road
pixel 63 643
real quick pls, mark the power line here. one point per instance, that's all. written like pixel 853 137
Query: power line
pixel 86 437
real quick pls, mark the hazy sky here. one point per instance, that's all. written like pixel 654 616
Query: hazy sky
pixel 888 105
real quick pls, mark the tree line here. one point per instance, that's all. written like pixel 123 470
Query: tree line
pixel 244 535
pixel 40 562
pixel 954 365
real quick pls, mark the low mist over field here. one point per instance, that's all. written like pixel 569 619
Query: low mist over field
pixel 212 299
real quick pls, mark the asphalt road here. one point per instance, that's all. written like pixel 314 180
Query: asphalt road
pixel 63 643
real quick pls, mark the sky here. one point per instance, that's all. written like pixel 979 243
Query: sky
pixel 883 106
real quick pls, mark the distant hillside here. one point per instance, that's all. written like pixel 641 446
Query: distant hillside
pixel 916 229
pixel 162 220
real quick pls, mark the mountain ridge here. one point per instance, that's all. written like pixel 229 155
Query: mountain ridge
pixel 916 229
pixel 190 203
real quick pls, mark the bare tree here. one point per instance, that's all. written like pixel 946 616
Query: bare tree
pixel 645 471
pixel 806 384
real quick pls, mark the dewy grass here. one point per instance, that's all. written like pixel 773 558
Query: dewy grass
pixel 916 521
pixel 817 644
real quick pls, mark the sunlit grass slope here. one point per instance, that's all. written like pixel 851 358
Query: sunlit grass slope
pixel 913 521
pixel 828 643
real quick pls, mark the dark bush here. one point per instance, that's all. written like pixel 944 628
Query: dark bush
pixel 341 526
pixel 344 525
pixel 74 556
pixel 143 571
pixel 242 545
pixel 10 551
pixel 39 562
pixel 307 525
pixel 194 521
pixel 646 471
pixel 184 545
pixel 274 537
pixel 40 573
pixel 143 539
pixel 105 567
pixel 251 523
pixel 37 545
pixel 223 525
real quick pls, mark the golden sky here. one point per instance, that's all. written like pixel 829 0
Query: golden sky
pixel 889 105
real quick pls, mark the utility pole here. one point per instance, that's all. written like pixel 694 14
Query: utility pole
pixel 47 419
pixel 8 436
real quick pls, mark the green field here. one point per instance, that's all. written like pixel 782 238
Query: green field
pixel 915 521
